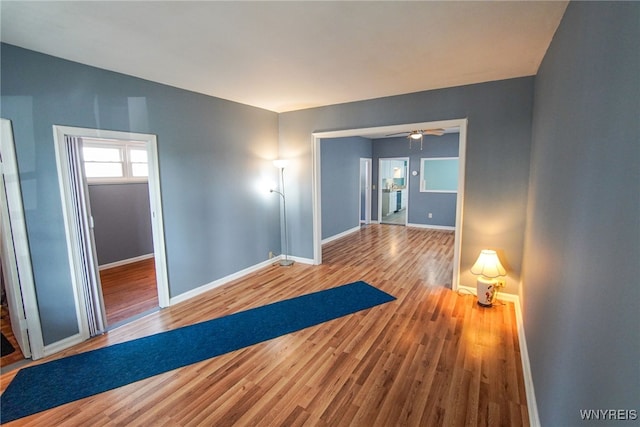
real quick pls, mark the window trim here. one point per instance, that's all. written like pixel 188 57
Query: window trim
pixel 124 147
pixel 422 172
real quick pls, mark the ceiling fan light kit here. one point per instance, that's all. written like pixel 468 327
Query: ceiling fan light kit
pixel 419 134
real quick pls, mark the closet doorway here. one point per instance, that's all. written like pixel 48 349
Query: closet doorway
pixel 110 187
pixel 116 172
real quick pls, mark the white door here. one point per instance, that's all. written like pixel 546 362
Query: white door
pixel 10 277
pixel 14 253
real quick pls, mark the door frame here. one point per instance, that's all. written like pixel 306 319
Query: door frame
pixel 155 201
pixel 316 138
pixel 367 162
pixel 21 292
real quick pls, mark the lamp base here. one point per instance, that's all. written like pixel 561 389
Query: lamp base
pixel 286 262
pixel 486 290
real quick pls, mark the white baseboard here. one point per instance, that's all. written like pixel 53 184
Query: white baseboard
pixel 63 344
pixel 434 227
pixel 301 260
pixel 125 261
pixel 237 275
pixel 216 283
pixel 532 406
pixel 341 235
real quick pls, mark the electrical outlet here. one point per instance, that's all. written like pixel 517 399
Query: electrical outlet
pixel 270 254
pixel 430 215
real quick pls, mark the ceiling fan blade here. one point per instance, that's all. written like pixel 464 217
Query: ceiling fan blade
pixel 399 133
pixel 436 132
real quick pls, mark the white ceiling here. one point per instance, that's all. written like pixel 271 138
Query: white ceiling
pixel 285 56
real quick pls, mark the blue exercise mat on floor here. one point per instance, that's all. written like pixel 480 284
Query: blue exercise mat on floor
pixel 61 381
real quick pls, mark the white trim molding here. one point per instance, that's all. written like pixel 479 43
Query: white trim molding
pixel 341 235
pixel 432 227
pixel 64 344
pixel 125 261
pixel 301 260
pixel 532 405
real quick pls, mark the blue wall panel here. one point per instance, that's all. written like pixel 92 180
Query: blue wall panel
pixel 580 289
pixel 497 154
pixel 340 185
pixel 219 218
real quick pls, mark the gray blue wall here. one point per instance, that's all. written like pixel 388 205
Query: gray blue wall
pixel 581 287
pixel 497 168
pixel 441 205
pixel 122 221
pixel 340 186
pixel 219 218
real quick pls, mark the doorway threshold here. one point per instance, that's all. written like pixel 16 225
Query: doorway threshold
pixel 132 319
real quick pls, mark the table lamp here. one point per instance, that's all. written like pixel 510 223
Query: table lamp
pixel 487 267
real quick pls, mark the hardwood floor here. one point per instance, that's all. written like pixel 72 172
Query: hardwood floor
pixel 129 290
pixel 430 358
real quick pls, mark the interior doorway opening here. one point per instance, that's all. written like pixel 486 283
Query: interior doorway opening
pixel 380 132
pixel 80 224
pixel 393 190
pixel 116 172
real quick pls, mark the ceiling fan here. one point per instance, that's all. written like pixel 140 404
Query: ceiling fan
pixel 415 135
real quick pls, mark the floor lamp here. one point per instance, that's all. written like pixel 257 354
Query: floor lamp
pixel 280 164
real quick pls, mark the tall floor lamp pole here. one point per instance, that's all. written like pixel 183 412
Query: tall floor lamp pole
pixel 280 164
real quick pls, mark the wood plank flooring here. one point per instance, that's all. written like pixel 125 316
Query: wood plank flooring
pixel 430 358
pixel 129 290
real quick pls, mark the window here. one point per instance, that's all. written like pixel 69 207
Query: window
pixel 439 174
pixel 115 161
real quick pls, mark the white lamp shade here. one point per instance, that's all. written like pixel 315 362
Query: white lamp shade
pixel 488 265
pixel 280 163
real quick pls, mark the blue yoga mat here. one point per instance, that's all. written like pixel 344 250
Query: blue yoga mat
pixel 51 384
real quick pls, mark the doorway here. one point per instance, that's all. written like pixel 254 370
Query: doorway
pixel 116 172
pixel 393 190
pixel 380 132
pixel 79 221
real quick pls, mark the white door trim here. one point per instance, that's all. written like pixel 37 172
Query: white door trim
pixel 157 223
pixel 316 138
pixel 23 292
pixel 366 161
